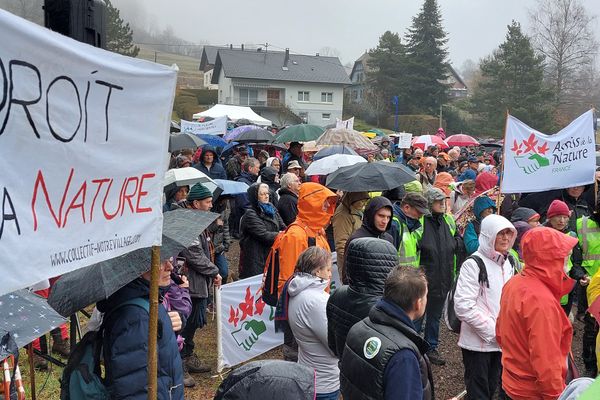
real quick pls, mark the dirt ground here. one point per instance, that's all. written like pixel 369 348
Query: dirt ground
pixel 448 379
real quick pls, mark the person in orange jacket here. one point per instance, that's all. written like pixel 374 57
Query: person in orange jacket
pixel 316 205
pixel 533 331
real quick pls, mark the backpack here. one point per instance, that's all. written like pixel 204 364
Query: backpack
pixel 82 377
pixel 270 284
pixel 452 321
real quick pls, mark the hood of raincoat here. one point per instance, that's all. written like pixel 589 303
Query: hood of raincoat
pixel 252 192
pixel 376 204
pixel 351 197
pixel 544 253
pixel 268 174
pixel 310 205
pixel 443 181
pixel 303 281
pixel 481 203
pixel 490 226
pixel 484 182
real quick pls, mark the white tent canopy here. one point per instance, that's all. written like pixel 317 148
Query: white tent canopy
pixel 234 113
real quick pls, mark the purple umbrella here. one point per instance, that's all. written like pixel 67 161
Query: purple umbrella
pixel 234 133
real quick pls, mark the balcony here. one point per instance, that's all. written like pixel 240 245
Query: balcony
pixel 268 103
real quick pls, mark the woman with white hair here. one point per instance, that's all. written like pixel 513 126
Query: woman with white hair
pixel 288 197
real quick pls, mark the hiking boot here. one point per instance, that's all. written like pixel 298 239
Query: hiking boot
pixel 60 346
pixel 194 365
pixel 435 358
pixel 40 363
pixel 188 380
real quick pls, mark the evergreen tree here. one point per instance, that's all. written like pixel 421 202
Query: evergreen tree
pixel 426 55
pixel 386 75
pixel 119 36
pixel 513 79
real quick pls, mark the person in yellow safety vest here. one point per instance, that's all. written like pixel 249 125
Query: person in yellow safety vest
pixel 593 292
pixel 406 228
pixel 558 218
pixel 439 244
pixel 588 233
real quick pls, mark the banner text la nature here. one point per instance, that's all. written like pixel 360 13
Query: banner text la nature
pixel 83 138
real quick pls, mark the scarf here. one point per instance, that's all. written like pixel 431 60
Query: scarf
pixel 268 209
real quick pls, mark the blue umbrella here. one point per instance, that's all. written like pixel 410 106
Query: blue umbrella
pixel 213 140
pixel 335 149
pixel 229 147
pixel 231 188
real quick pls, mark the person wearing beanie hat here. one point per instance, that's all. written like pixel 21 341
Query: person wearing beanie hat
pixel 438 244
pixel 482 207
pixel 558 208
pixel 525 214
pixel 413 187
pixel 202 274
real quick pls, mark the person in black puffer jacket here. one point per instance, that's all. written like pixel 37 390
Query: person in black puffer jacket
pixel 288 197
pixel 259 226
pixel 368 263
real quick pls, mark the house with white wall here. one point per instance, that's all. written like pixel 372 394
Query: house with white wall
pixel 273 82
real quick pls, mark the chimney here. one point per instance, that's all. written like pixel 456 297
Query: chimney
pixel 317 54
pixel 242 46
pixel 287 57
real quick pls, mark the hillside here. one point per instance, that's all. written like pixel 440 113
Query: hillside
pixel 188 77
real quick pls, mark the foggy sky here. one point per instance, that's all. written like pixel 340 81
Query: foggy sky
pixel 475 27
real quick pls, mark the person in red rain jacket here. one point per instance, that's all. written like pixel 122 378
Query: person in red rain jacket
pixel 532 329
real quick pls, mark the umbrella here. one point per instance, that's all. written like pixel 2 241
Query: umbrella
pixel 189 176
pixel 231 187
pixel 85 286
pixel 175 127
pixel 311 147
pixel 228 148
pixel 461 140
pixel 347 137
pixel 329 164
pixel 24 316
pixel 335 149
pixel 179 141
pixel 235 132
pixel 378 132
pixel 299 133
pixel 214 140
pixel 424 141
pixel 369 177
pixel 257 135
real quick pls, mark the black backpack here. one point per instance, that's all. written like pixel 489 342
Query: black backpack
pixel 452 321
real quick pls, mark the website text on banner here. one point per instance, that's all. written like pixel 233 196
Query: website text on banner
pixel 247 325
pixel 535 162
pixel 83 139
pixel 217 126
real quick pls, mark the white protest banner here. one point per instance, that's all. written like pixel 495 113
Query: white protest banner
pixel 404 140
pixel 347 124
pixel 247 327
pixel 534 162
pixel 217 126
pixel 83 138
pixel 246 324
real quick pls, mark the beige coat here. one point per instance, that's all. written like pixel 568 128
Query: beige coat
pixel 345 221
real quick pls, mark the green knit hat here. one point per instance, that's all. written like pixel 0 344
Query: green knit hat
pixel 414 186
pixel 199 192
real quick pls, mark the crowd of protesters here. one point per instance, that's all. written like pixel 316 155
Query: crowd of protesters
pixel 521 268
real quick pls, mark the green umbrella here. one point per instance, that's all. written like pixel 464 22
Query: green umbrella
pixel 377 132
pixel 299 133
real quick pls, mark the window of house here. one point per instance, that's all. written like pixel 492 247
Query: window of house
pixel 326 116
pixel 303 96
pixel 248 97
pixel 326 97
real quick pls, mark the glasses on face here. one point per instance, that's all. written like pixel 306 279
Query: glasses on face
pixel 506 233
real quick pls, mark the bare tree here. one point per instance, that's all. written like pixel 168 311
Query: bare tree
pixel 563 33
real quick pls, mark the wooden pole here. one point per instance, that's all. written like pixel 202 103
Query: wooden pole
pixel 498 200
pixel 153 326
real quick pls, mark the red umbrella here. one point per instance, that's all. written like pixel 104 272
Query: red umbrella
pixel 424 141
pixel 462 140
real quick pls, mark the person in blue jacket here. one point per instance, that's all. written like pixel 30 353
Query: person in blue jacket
pixel 209 164
pixel 125 344
pixel 482 207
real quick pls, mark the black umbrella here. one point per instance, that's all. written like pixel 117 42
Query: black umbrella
pixel 24 316
pixel 180 141
pixel 335 149
pixel 78 289
pixel 368 177
pixel 258 135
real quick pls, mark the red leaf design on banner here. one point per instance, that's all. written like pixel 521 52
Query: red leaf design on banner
pixel 247 307
pixel 259 306
pixel 516 148
pixel 530 143
pixel 543 149
pixel 233 316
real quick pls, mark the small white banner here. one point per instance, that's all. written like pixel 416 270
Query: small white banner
pixel 347 124
pixel 404 140
pixel 83 139
pixel 247 326
pixel 217 126
pixel 535 162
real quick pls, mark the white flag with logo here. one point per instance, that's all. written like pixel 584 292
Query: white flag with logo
pixel 535 162
pixel 217 126
pixel 347 124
